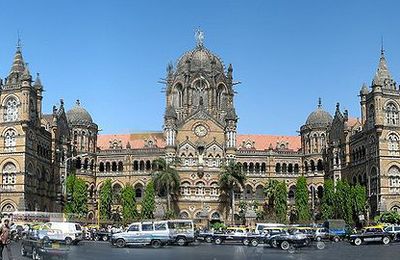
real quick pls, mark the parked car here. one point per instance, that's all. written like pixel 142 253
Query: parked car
pixel 395 230
pixel 287 239
pixel 180 230
pixel 205 235
pixel 38 248
pixel 322 234
pixel 142 233
pixel 237 235
pixel 371 234
pixel 263 227
pixel 70 233
pixel 337 228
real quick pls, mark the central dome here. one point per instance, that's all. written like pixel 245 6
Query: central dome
pixel 200 58
pixel 319 117
pixel 79 116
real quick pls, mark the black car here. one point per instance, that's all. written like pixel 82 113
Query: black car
pixel 43 248
pixel 204 235
pixel 371 234
pixel 286 239
pixel 237 236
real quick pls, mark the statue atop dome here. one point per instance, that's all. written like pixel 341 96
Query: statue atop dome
pixel 199 36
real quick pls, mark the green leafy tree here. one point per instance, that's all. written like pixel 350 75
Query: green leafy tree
pixel 77 189
pixel 270 192
pixel 129 211
pixel 280 202
pixel 344 202
pixel 328 200
pixel 231 177
pixel 166 179
pixel 106 199
pixel 148 202
pixel 391 217
pixel 301 200
pixel 359 200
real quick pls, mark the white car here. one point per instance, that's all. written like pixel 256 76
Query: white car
pixel 394 229
pixel 70 233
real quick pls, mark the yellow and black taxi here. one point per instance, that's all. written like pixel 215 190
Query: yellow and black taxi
pixel 371 234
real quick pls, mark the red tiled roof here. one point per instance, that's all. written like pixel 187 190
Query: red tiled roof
pixel 262 142
pixel 136 140
pixel 352 121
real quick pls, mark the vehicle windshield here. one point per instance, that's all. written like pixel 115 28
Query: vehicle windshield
pixel 180 225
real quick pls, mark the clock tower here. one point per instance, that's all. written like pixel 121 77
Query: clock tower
pixel 200 118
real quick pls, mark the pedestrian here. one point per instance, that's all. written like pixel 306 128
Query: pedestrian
pixel 5 240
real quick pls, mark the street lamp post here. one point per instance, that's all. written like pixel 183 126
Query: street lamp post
pixel 64 181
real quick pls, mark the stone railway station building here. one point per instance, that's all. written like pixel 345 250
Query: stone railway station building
pixel 199 128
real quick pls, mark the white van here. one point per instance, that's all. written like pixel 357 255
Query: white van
pixel 180 230
pixel 71 233
pixel 262 227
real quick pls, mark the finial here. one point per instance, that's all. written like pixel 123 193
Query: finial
pixel 199 36
pixel 337 106
pixel 78 103
pixel 19 44
pixel 62 102
pixel 319 103
pixel 382 48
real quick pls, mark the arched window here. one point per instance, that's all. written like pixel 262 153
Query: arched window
pixel 10 140
pixel 200 188
pixel 393 144
pixel 108 166
pixel 101 167
pixel 394 179
pixel 374 182
pixel 292 192
pixel 214 191
pixel 11 112
pixel 320 166
pixel 184 215
pixel 306 166
pixel 9 174
pixel 260 192
pixel 296 168
pixel 320 192
pixel 371 115
pixel 148 165
pixel 290 168
pixel 392 114
pixel 114 166
pixel 120 166
pixel 284 168
pixel 141 165
pixel 86 163
pixel 185 188
pixel 278 168
pixel 312 165
pixel 263 167
pixel 78 163
pixel 251 167
pixel 138 191
pixel 135 165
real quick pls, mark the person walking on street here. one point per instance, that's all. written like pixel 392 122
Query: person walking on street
pixel 5 240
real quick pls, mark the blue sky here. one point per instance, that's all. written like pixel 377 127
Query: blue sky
pixel 110 54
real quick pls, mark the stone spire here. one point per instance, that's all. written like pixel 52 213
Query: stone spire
pixel 382 76
pixel 38 82
pixel 18 65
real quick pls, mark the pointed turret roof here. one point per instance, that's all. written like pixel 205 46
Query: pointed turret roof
pixel 382 76
pixel 38 82
pixel 18 65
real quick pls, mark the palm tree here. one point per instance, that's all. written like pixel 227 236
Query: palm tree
pixel 166 179
pixel 231 177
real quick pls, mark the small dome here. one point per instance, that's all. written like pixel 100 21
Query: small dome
pixel 319 117
pixel 79 116
pixel 364 90
pixel 200 58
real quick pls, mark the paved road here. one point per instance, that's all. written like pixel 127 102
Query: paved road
pixel 341 251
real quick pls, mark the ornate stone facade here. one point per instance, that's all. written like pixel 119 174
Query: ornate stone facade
pixel 200 128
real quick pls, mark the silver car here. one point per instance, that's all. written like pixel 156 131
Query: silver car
pixel 142 233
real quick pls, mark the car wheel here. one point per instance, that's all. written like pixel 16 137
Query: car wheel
pixel 246 241
pixel 218 241
pixel 208 239
pixel 181 241
pixel 96 238
pixel 320 245
pixel 273 243
pixel 156 243
pixel 285 245
pixel 336 239
pixel 120 243
pixel 385 240
pixel 254 242
pixel 35 254
pixel 104 238
pixel 68 241
pixel 357 241
pixel 318 238
pixel 307 242
pixel 23 250
pixel 46 239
